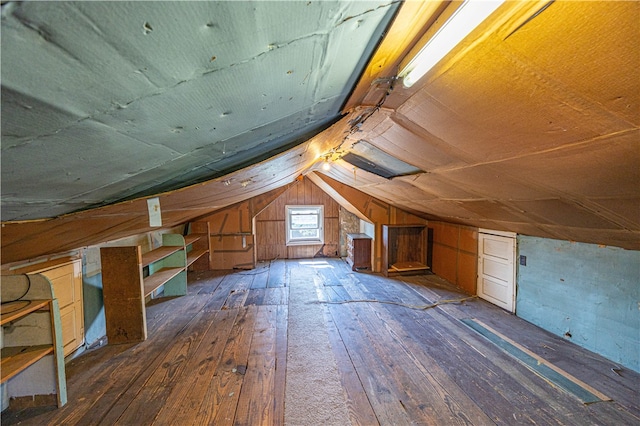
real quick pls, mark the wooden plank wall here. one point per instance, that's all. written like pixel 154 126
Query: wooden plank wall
pixel 373 210
pixel 232 237
pixel 455 254
pixel 270 224
pixel 254 230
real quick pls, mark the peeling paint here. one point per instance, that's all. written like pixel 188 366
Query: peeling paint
pixel 594 302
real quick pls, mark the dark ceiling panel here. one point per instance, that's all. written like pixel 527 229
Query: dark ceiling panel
pixel 104 101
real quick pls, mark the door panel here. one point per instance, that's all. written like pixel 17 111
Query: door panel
pixel 62 289
pixel 496 248
pixel 495 290
pixel 68 322
pixel 67 288
pixel 496 269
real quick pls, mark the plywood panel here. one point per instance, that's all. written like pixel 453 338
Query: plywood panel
pixel 455 254
pixel 445 262
pixel 584 292
pixel 123 294
pixel 468 239
pixel 232 251
pixel 467 272
pixel 444 234
pixel 234 219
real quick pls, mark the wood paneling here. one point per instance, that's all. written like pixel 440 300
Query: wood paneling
pixel 370 209
pixel 455 254
pixel 206 354
pixel 232 251
pixel 232 235
pixel 270 224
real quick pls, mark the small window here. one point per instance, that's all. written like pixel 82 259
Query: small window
pixel 305 225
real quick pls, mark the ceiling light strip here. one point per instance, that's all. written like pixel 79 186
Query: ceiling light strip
pixel 464 20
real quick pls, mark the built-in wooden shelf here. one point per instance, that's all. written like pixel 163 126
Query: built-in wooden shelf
pixel 199 247
pixel 25 308
pixel 130 279
pixel 408 266
pixel 159 254
pixel 65 273
pixel 192 238
pixel 404 249
pixel 159 278
pixel 16 359
pixel 194 255
pixel 34 331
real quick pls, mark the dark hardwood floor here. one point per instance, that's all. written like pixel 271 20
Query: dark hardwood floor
pixel 304 342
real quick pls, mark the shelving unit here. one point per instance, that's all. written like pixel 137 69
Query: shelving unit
pixel 198 246
pixel 165 268
pixel 130 279
pixel 359 251
pixel 65 275
pixel 32 353
pixel 404 249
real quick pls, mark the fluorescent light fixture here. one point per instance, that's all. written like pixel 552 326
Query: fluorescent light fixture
pixel 368 157
pixel 467 17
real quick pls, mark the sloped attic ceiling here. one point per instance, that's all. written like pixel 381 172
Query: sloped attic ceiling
pixel 108 101
pixel 530 125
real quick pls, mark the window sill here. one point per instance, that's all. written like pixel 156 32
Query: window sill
pixel 305 243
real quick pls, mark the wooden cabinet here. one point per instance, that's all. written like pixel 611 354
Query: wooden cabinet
pixel 404 249
pixel 66 277
pixel 359 251
pixel 32 353
pixel 130 279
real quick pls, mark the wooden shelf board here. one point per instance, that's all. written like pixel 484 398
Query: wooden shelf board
pixel 152 282
pixel 407 266
pixel 194 255
pixel 12 315
pixel 192 238
pixel 17 358
pixel 159 253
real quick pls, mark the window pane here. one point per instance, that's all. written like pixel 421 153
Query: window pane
pixel 299 221
pixel 304 224
pixel 305 233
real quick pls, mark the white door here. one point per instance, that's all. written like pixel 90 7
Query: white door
pixel 496 268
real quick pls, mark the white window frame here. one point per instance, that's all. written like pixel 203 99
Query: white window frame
pixel 296 241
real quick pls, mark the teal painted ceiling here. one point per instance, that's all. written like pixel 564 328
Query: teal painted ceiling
pixel 108 101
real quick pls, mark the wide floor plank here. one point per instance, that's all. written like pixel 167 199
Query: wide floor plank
pixel 312 342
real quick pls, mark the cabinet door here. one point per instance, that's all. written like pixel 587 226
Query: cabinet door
pixel 67 288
